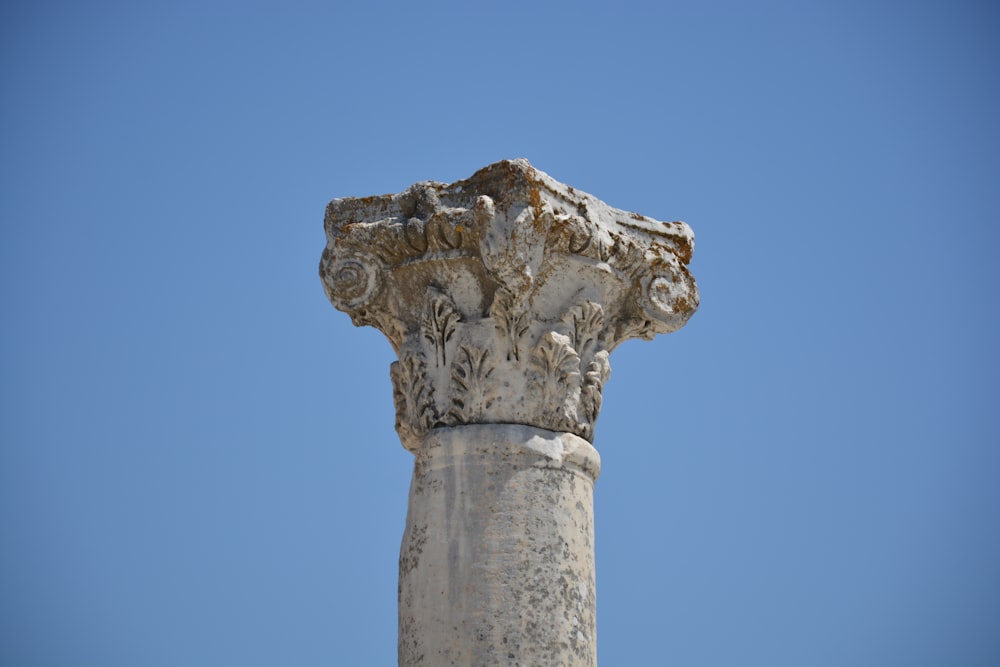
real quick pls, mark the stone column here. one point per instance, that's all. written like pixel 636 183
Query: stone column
pixel 503 295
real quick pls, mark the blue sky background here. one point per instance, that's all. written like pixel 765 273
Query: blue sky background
pixel 197 458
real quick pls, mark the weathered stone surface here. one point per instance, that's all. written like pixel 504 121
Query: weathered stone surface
pixel 503 294
pixel 497 561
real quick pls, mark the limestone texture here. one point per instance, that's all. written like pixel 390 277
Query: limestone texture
pixel 503 295
pixel 497 561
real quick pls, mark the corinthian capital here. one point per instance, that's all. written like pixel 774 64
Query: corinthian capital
pixel 503 294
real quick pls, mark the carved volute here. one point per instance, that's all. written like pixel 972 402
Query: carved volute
pixel 503 294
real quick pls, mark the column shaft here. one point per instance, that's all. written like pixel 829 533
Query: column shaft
pixel 497 560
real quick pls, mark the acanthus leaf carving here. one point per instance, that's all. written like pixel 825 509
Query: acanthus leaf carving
pixel 439 322
pixel 413 396
pixel 510 321
pixel 471 393
pixel 598 372
pixel 555 373
pixel 586 323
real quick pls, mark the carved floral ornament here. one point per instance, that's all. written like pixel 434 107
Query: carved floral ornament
pixel 503 294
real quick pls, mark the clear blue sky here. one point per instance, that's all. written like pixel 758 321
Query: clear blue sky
pixel 198 466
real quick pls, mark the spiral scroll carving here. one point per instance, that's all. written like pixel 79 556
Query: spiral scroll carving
pixel 351 281
pixel 661 294
pixel 668 298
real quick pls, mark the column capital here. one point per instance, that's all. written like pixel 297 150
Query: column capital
pixel 503 294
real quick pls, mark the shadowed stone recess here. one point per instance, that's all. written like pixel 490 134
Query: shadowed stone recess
pixel 503 295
